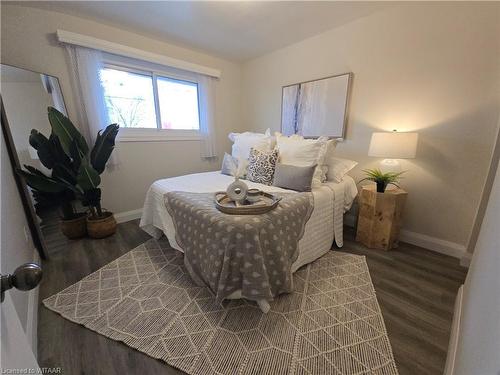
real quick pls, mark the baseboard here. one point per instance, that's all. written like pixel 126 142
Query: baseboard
pixel 432 243
pixel 427 242
pixel 454 334
pixel 123 217
pixel 466 259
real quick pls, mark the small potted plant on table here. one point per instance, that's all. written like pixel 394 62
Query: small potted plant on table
pixel 382 179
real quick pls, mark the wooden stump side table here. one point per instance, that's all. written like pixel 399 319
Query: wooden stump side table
pixel 379 219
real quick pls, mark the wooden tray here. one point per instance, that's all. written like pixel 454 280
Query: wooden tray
pixel 266 203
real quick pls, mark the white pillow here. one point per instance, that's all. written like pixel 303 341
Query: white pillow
pixel 243 142
pixel 338 168
pixel 300 152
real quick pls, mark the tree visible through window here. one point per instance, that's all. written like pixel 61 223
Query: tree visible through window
pixel 136 99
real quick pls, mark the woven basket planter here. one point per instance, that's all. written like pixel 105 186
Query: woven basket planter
pixel 102 227
pixel 74 228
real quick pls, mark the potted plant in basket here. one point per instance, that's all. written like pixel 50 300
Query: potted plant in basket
pixel 82 175
pixel 382 179
pixel 51 191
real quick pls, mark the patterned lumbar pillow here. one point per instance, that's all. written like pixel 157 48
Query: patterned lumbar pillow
pixel 261 165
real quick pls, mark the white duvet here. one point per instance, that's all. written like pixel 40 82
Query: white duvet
pixel 331 200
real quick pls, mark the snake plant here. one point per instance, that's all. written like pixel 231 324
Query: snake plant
pixel 75 168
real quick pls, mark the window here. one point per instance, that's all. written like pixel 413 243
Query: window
pixel 145 100
pixel 129 98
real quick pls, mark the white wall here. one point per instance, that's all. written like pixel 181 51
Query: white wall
pixel 479 328
pixel 417 67
pixel 15 248
pixel 28 42
pixel 26 108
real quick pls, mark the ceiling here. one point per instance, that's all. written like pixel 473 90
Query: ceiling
pixel 236 30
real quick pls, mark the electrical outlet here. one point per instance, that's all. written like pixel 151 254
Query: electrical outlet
pixel 27 235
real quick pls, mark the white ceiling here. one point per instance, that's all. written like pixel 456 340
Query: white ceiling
pixel 234 30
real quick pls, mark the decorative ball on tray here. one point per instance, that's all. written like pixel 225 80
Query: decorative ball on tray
pixel 239 199
pixel 238 190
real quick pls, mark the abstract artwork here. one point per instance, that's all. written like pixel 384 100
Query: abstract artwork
pixel 316 108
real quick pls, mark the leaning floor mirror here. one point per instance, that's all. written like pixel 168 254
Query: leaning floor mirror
pixel 25 97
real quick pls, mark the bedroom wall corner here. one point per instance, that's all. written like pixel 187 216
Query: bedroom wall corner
pixel 28 41
pixel 425 67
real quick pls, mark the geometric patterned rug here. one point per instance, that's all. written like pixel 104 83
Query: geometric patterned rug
pixel 330 324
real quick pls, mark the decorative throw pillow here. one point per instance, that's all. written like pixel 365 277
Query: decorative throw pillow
pixel 301 152
pixel 338 168
pixel 294 178
pixel 229 165
pixel 243 142
pixel 261 166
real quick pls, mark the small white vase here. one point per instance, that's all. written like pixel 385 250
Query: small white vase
pixel 237 191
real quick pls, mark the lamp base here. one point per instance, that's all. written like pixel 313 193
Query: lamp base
pixel 390 165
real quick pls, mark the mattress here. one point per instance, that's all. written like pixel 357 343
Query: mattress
pixel 331 200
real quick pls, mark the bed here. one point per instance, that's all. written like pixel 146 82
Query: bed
pixel 331 201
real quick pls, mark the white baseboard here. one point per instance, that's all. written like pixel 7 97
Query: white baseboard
pixel 455 334
pixel 432 243
pixel 427 242
pixel 123 217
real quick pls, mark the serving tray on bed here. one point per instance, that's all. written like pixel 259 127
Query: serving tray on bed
pixel 266 203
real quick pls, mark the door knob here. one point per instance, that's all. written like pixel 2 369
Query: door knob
pixel 25 277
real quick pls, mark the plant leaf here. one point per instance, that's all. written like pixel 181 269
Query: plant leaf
pixel 43 147
pixel 103 147
pixel 87 178
pixel 64 129
pixel 76 155
pixel 38 181
pixel 376 175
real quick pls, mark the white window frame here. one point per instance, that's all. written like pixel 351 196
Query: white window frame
pixel 154 70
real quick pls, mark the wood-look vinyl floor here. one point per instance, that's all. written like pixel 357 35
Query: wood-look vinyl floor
pixel 416 290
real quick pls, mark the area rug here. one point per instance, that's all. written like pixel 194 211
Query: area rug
pixel 331 324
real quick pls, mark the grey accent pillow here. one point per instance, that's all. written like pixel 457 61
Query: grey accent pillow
pixel 229 163
pixel 293 177
pixel 261 166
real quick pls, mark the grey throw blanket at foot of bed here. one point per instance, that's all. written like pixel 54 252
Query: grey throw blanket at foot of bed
pixel 251 253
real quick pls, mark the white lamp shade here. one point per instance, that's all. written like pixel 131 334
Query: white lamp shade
pixel 393 145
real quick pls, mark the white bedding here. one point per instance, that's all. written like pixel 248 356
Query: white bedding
pixel 331 200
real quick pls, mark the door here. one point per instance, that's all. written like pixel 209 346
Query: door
pixel 15 349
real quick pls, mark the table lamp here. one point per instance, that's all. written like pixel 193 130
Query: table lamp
pixel 392 146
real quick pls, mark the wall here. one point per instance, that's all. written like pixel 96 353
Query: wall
pixel 125 187
pixel 417 67
pixel 479 326
pixel 26 108
pixel 16 247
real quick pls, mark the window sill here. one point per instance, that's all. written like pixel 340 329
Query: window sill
pixel 155 135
